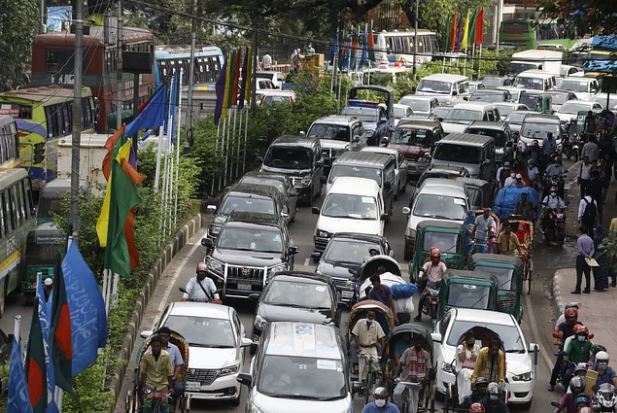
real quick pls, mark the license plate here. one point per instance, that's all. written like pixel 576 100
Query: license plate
pixel 347 294
pixel 244 286
pixel 193 386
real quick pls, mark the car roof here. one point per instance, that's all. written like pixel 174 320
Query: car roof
pixel 203 310
pixel 440 168
pixel 249 190
pixel 354 186
pixel 265 175
pixel 418 123
pixel 445 77
pixel 483 316
pixel 303 340
pixel 431 184
pixel 539 118
pixel 536 73
pixel 466 139
pixel 485 124
pixel 418 97
pixel 252 220
pixel 362 158
pixel 290 140
pixel 474 105
pixel 337 120
pixel 380 149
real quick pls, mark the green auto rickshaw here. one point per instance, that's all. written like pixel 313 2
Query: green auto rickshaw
pixel 449 237
pixel 45 246
pixel 467 289
pixel 508 270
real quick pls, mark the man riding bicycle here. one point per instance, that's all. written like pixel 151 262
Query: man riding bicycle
pixel 156 376
pixel 483 230
pixel 414 366
pixel 367 334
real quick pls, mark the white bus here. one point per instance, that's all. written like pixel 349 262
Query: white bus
pixel 401 43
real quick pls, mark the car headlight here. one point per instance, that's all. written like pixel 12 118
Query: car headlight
pixel 323 234
pixel 522 377
pixel 447 367
pixel 260 322
pixel 276 268
pixel 214 265
pixel 226 371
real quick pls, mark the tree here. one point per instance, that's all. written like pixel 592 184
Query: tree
pixel 585 16
pixel 433 13
pixel 19 22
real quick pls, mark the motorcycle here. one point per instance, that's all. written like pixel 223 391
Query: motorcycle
pixel 183 291
pixel 605 399
pixel 571 143
pixel 431 304
pixel 554 226
pixel 558 182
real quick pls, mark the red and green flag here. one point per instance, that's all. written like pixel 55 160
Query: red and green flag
pixel 61 341
pixel 36 370
pixel 236 80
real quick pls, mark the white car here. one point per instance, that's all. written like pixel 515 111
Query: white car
pixel 569 111
pixel 520 357
pixel 400 111
pixel 419 104
pixel 217 341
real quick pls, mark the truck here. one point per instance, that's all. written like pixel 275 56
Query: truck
pixel 92 153
pixel 545 60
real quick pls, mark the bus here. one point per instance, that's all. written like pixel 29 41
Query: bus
pixel 208 62
pixel 52 63
pixel 43 115
pixel 16 220
pixel 519 34
pixel 9 143
pixel 401 44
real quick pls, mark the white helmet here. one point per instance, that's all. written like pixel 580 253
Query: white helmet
pixel 601 356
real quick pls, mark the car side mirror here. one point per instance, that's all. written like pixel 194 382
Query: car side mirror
pixel 436 337
pixel 315 210
pixel 292 250
pixel 146 333
pixel 302 133
pixel 245 378
pixel 406 210
pixel 355 139
pixel 206 242
pixel 211 209
pixel 323 179
pixel 246 342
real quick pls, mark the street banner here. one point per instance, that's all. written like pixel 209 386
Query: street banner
pixel 19 399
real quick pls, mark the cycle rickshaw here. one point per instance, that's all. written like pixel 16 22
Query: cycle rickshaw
pixel 134 402
pixel 524 230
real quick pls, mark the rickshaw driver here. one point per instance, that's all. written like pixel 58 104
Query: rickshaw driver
pixel 367 334
pixel 483 230
pixel 414 366
pixel 177 362
pixel 491 363
pixel 433 270
pixel 156 374
pixel 381 293
pixel 507 242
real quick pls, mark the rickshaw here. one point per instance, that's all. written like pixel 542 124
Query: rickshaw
pixel 524 230
pixel 508 270
pixel 403 337
pixel 467 289
pixel 134 402
pixel 451 239
pixel 490 242
pixel 385 318
pixel 507 198
pixel 377 264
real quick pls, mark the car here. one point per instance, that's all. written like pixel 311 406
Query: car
pixel 415 140
pixel 568 112
pixel 536 127
pixel 399 112
pixel 337 134
pixel 281 183
pixel 264 84
pixel 272 96
pixel 419 104
pixel 583 87
pixel 462 114
pixel 476 153
pixel 217 340
pixel 535 80
pixel 295 296
pixel 490 96
pixel 247 252
pixel 247 198
pixel 347 251
pixel 277 78
pixel 505 108
pixel 445 87
pixel 520 356
pixel 504 142
pixel 375 121
pixel 440 112
pixel 443 171
pixel 475 85
pixel 496 81
pixel 400 173
pixel 516 118
pixel 559 97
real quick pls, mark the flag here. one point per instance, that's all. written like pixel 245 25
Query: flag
pixel 172 109
pixel 61 342
pixel 479 35
pixel 244 84
pixel 447 33
pixel 88 318
pixel 228 72
pixel 44 312
pixel 249 77
pixel 452 38
pixel 236 80
pixel 36 366
pixel 459 34
pixel 109 146
pixel 465 38
pixel 123 196
pixel 219 87
pixel 19 399
pixel 472 29
pixel 154 113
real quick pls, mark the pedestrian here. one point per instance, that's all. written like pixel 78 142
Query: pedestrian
pixel 549 146
pixel 584 249
pixel 591 150
pixel 600 273
pixel 612 229
pixel 590 123
pixel 588 212
pixel 266 62
pixel 584 175
pixel 594 188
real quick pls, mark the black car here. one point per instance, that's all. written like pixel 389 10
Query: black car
pixel 347 251
pixel 245 198
pixel 442 171
pixel 281 183
pixel 246 253
pixel 295 296
pixel 504 141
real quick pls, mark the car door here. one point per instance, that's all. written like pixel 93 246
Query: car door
pixel 292 198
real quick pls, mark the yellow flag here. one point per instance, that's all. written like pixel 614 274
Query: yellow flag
pixel 465 38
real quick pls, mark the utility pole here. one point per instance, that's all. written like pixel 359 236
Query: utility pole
pixel 43 16
pixel 76 138
pixel 415 39
pixel 254 78
pixel 189 118
pixel 119 80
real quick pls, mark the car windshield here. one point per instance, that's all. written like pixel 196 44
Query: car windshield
pixel 435 86
pixel 463 115
pixel 364 114
pixel 440 206
pixel 518 67
pixel 536 83
pixel 356 172
pixel 529 100
pixel 247 204
pixel 487 97
pixel 498 135
pixel 474 195
pixel 509 335
pixel 535 130
pixel 571 108
pixel 220 331
pixel 451 152
pixel 44 252
pixel 350 206
pixel 410 136
pixel 340 251
pixel 417 105
pixel 301 378
pixel 288 157
pixel 468 296
pixel 251 239
pixel 399 112
pixel 441 112
pixel 298 294
pixel 332 132
pixel 574 85
pixel 559 98
pixel 516 118
pixel 446 242
pixel 505 281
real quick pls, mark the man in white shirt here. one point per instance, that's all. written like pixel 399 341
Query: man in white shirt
pixel 201 288
pixel 584 175
pixel 591 150
pixel 266 62
pixel 588 221
pixel 483 230
pixel 367 335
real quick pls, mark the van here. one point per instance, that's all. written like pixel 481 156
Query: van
pixel 444 87
pixel 476 153
pixel 352 205
pixel 337 134
pixel 536 80
pixel 379 167
pixel 437 199
pixel 299 367
pixel 463 114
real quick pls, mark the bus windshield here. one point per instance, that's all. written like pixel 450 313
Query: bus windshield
pixel 45 251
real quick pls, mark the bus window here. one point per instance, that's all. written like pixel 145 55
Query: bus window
pixel 5 213
pixel 28 198
pixel 21 202
pixel 12 208
pixel 407 44
pixel 397 45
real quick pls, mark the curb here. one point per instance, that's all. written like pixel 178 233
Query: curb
pixel 167 254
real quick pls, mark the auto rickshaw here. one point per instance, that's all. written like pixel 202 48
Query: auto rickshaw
pixel 467 289
pixel 508 270
pixel 403 337
pixel 449 237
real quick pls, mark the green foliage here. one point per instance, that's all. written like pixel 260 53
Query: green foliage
pixel 434 13
pixel 19 22
pixel 582 17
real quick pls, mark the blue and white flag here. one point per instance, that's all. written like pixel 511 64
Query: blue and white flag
pixel 19 400
pixel 153 114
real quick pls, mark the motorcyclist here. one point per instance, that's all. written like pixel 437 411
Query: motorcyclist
pixel 380 404
pixel 605 373
pixel 478 394
pixel 564 330
pixel 568 401
pixel 532 171
pixel 579 371
pixel 551 202
pixel 578 350
pixel 201 288
pixel 433 270
pixel 493 403
pixel 557 171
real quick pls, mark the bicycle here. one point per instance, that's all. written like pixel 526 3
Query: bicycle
pixel 153 401
pixel 410 399
pixel 373 376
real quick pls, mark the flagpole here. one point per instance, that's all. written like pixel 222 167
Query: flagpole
pixel 178 148
pixel 17 329
pixel 157 169
pixel 233 142
pixel 246 125
pixel 220 185
pixel 216 149
pixel 479 60
pixel 238 144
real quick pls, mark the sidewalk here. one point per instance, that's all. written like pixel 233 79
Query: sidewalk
pixel 596 309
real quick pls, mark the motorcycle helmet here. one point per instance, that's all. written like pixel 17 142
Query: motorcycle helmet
pixel 606 396
pixel 380 393
pixel 602 359
pixel 577 383
pixel 477 407
pixel 582 399
pixel 580 368
pixel 481 381
pixel 571 314
pixel 572 304
pixel 580 329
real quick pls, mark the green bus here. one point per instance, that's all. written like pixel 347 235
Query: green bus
pixel 520 34
pixel 43 115
pixel 16 220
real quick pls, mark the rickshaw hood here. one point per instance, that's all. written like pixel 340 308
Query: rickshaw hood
pixel 212 358
pixel 280 313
